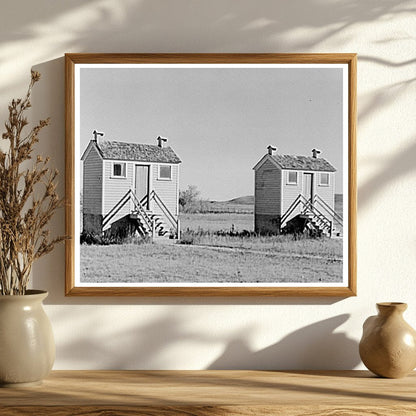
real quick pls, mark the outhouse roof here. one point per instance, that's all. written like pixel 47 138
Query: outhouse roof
pixel 303 163
pixel 137 152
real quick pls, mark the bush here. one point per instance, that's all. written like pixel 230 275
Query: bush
pixel 107 239
pixel 189 236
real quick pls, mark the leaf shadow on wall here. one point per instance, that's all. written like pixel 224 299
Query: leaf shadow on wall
pixel 313 347
pixel 152 345
pixel 132 26
pixel 393 169
pixel 138 346
pixel 396 166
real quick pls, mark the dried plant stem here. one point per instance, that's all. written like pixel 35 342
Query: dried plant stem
pixel 23 217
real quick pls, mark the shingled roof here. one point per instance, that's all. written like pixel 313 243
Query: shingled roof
pixel 137 152
pixel 303 163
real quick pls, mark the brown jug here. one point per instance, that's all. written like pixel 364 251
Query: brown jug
pixel 388 345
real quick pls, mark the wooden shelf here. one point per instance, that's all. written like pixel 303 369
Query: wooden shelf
pixel 203 393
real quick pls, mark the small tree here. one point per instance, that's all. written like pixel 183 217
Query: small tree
pixel 188 198
pixel 190 201
pixel 24 216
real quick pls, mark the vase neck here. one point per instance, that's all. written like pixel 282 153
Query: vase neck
pixel 390 308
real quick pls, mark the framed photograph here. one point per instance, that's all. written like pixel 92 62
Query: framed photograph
pixel 211 174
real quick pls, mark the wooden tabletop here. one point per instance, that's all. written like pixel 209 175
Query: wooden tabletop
pixel 202 393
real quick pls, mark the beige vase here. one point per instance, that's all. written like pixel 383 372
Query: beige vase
pixel 388 345
pixel 27 347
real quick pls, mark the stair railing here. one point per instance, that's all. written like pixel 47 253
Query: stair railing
pixel 306 206
pixel 168 214
pixel 337 218
pixel 144 201
pixel 116 208
pixel 300 200
pixel 138 208
pixel 318 214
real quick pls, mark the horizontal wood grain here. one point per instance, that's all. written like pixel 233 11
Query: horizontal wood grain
pixel 211 411
pixel 203 393
pixel 212 291
pixel 260 58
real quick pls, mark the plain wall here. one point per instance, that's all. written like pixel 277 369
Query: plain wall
pixel 201 333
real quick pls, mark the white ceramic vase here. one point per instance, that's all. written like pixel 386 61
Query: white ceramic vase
pixel 27 347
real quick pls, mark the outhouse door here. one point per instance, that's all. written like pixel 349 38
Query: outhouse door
pixel 308 186
pixel 141 187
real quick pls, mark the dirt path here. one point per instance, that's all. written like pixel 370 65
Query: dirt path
pixel 263 252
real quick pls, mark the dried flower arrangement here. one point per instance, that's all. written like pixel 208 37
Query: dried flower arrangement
pixel 28 199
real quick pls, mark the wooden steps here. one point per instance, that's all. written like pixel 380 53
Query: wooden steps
pixel 144 222
pixel 159 228
pixel 313 215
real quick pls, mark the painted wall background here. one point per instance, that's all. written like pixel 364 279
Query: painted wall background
pixel 200 333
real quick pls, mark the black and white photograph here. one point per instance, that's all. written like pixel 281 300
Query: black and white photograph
pixel 211 175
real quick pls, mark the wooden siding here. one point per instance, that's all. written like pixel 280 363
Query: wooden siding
pixel 274 195
pixel 290 192
pixel 115 188
pixel 166 189
pixel 327 193
pixel 267 190
pixel 92 183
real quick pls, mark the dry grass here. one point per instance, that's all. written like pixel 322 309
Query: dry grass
pixel 192 264
pixel 214 258
pixel 320 247
pixel 203 229
pixel 217 222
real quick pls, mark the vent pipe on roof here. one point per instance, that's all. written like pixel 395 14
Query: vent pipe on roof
pixel 96 134
pixel 161 140
pixel 315 153
pixel 271 149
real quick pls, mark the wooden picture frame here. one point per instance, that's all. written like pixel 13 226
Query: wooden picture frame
pixel 310 99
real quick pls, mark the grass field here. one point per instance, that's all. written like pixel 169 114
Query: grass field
pixel 212 255
pixel 203 228
pixel 215 258
pixel 217 222
pixel 186 263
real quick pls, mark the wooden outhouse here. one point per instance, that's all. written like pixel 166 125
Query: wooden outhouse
pixel 293 193
pixel 130 188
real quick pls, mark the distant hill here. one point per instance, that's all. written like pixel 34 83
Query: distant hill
pixel 245 205
pixel 249 200
pixel 240 205
pixel 244 200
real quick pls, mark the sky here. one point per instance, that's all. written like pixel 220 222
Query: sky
pixel 219 121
